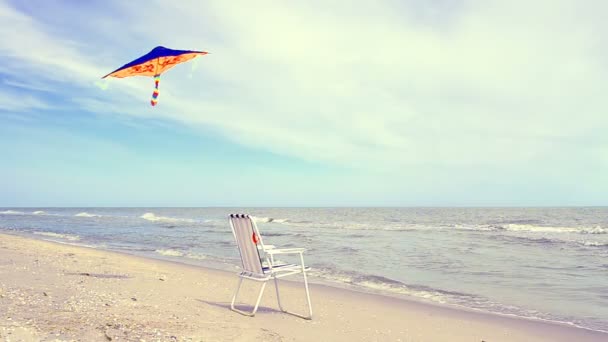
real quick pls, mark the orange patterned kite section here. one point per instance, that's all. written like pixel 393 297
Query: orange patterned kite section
pixel 154 63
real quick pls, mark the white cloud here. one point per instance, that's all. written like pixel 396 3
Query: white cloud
pixel 380 85
pixel 328 84
pixel 18 103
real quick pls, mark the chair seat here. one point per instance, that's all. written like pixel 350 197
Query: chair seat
pixel 282 268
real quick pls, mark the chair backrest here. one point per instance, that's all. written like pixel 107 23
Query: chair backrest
pixel 247 239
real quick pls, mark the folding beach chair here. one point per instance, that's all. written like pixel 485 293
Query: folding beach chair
pixel 258 262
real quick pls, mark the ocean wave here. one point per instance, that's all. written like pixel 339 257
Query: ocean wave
pixel 269 219
pixel 538 240
pixel 527 239
pixel 169 252
pixel 371 227
pixel 276 234
pixel 69 237
pixel 196 256
pixel 387 285
pixel 483 227
pixel 593 243
pixel 548 229
pixel 510 227
pixel 11 212
pixel 596 230
pixel 520 221
pixel 176 253
pixel 85 214
pixel 529 228
pixel 152 217
pixel 15 212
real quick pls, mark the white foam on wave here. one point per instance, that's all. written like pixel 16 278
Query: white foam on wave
pixel 15 212
pixel 596 230
pixel 377 285
pixel 545 229
pixel 594 243
pixel 169 252
pixel 69 237
pixel 332 276
pixel 152 217
pixel 196 256
pixel 474 227
pixel 11 212
pixel 176 253
pixel 404 227
pixel 85 214
pixel 429 295
pixel 269 219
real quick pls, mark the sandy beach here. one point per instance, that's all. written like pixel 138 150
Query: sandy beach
pixel 57 292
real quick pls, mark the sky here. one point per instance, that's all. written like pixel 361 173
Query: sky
pixel 306 103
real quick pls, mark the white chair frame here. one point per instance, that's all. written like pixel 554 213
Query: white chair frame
pixel 272 271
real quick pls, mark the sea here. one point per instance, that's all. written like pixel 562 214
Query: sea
pixel 541 263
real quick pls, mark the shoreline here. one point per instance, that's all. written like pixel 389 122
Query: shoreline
pixel 317 281
pixel 362 310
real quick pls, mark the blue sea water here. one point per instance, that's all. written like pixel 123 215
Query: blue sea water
pixel 544 263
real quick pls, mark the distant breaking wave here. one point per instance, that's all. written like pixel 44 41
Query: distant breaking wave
pixel 43 213
pixel 549 241
pixel 543 229
pixel 533 229
pixel 405 227
pixel 269 219
pixel 85 214
pixel 152 217
pixel 11 212
pixel 37 212
pixel 594 244
pixel 15 212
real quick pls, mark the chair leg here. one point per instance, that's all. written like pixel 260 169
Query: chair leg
pixel 257 303
pixel 306 287
pixel 309 317
pixel 276 286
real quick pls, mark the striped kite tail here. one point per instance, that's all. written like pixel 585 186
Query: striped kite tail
pixel 154 101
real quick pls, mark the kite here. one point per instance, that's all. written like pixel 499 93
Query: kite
pixel 154 63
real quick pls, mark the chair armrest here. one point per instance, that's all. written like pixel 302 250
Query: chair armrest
pixel 286 250
pixel 267 247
